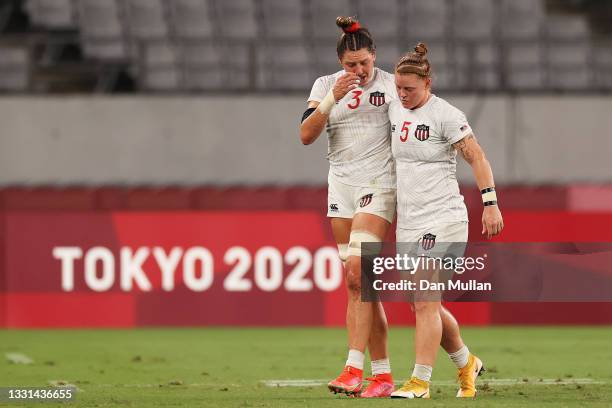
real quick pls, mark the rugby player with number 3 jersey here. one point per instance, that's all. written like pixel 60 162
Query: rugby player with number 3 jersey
pixel 352 104
pixel 426 134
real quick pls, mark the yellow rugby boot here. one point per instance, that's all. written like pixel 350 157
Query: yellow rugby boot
pixel 467 375
pixel 413 388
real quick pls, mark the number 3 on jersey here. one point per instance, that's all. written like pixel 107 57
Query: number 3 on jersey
pixel 356 97
pixel 404 131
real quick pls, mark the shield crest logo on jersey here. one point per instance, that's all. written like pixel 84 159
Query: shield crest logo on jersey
pixel 428 241
pixel 377 98
pixel 422 132
pixel 365 200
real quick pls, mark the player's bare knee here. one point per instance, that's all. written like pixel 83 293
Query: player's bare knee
pixel 353 278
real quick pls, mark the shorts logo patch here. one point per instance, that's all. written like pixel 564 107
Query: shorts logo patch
pixel 365 200
pixel 428 241
pixel 377 98
pixel 422 132
pixel 333 207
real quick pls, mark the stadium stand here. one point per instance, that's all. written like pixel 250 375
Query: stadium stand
pixel 255 45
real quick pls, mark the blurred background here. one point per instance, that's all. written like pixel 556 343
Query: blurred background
pixel 136 125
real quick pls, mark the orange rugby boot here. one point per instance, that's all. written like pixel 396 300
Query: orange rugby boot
pixel 349 382
pixel 381 386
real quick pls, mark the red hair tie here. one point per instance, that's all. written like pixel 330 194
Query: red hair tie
pixel 353 28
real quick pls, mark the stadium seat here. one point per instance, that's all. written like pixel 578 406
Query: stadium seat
pixel 426 20
pixel 52 14
pixel 381 17
pixel 480 64
pixel 216 66
pixel 442 67
pixel 100 19
pixel 200 54
pixel 203 79
pixel 566 27
pixel 323 15
pixel 473 19
pixel 14 68
pixel 575 54
pixel 238 63
pixel 569 66
pixel 159 66
pixel 191 18
pixel 521 19
pixel 570 78
pixel 164 78
pixel 325 59
pixel 146 19
pixel 387 55
pixel 101 30
pixel 525 66
pixel 282 19
pixel 284 67
pixel 602 65
pixel 202 64
pixel 160 53
pixel 237 18
pixel 109 49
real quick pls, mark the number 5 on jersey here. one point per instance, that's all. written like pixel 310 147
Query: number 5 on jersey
pixel 404 131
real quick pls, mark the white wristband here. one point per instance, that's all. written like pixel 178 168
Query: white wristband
pixel 327 103
pixel 490 196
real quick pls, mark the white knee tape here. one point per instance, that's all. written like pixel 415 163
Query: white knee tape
pixel 343 252
pixel 357 238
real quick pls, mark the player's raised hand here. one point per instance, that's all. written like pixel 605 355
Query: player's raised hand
pixel 492 221
pixel 344 84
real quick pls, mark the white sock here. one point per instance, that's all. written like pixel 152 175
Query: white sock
pixel 460 357
pixel 382 366
pixel 355 359
pixel 422 372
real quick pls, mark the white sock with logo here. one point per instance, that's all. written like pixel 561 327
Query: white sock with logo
pixel 422 372
pixel 355 359
pixel 382 366
pixel 460 357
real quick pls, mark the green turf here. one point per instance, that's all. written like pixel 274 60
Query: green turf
pixel 224 367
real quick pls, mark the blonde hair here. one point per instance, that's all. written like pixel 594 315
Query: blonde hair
pixel 415 62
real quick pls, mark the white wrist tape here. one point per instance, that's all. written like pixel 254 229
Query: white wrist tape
pixel 327 103
pixel 489 196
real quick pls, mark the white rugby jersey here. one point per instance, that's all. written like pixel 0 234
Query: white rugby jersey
pixel 359 148
pixel 426 163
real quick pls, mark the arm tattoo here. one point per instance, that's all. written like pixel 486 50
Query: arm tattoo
pixel 466 149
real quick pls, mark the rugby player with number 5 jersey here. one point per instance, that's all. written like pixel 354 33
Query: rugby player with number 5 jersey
pixel 426 134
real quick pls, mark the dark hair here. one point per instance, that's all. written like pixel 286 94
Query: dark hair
pixel 354 37
pixel 415 62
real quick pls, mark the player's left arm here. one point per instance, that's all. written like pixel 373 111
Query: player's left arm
pixel 492 221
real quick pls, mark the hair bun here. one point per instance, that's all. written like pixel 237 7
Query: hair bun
pixel 421 49
pixel 348 24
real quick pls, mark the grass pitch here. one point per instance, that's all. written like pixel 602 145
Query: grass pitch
pixel 234 367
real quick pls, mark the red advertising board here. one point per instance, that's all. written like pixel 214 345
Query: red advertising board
pixel 125 269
